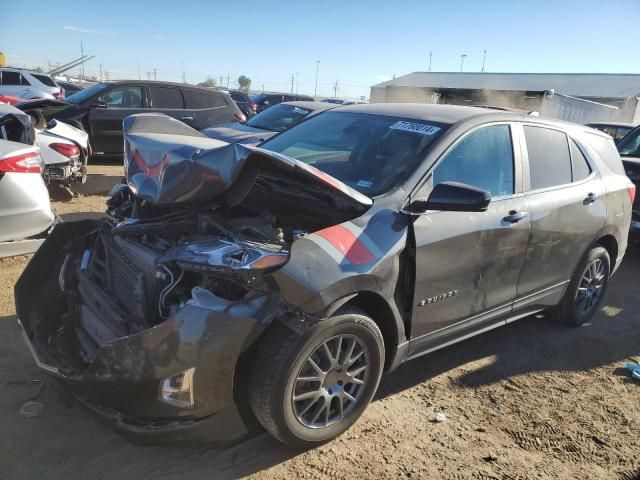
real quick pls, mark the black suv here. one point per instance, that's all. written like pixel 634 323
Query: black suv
pixel 244 103
pixel 233 282
pixel 101 108
pixel 266 100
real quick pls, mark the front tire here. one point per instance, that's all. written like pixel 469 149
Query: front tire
pixel 306 389
pixel 586 289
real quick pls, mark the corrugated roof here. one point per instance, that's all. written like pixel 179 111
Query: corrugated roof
pixel 607 85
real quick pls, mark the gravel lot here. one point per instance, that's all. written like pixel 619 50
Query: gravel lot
pixel 530 400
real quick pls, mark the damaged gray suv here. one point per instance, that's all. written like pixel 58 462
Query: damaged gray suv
pixel 232 283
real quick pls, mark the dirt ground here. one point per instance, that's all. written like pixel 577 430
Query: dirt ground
pixel 530 400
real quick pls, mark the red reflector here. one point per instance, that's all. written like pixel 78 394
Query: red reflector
pixel 66 149
pixel 240 117
pixel 28 162
pixel 632 192
pixel 347 243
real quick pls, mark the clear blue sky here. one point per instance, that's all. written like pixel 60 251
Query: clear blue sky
pixel 359 43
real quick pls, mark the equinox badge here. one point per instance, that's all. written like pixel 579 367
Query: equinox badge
pixel 437 298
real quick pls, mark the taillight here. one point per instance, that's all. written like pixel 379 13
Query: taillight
pixel 254 107
pixel 72 152
pixel 240 117
pixel 632 192
pixel 26 162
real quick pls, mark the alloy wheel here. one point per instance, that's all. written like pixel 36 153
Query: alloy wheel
pixel 331 381
pixel 590 287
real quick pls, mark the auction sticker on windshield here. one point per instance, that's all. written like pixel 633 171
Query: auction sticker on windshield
pixel 421 128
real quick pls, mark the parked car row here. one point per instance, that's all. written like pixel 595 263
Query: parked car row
pixel 234 282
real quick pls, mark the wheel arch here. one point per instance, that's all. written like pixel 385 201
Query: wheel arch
pixel 382 313
pixel 610 243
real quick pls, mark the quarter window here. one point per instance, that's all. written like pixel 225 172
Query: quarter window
pixel 163 97
pixel 549 159
pixel 483 159
pixel 195 99
pixel 126 97
pixel 579 164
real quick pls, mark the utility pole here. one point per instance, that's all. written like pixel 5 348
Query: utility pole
pixel 148 75
pixel 315 92
pixel 484 59
pixel 221 78
pixel 155 74
pixel 82 52
pixel 228 77
pixel 182 68
pixel 429 62
pixel 292 82
pixel 263 88
pixel 335 89
pixel 297 78
pixel 100 71
pixel 462 57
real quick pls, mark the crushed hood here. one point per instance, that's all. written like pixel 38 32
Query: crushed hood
pixel 48 106
pixel 169 163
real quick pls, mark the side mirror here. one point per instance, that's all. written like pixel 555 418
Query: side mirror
pixel 451 197
pixel 99 104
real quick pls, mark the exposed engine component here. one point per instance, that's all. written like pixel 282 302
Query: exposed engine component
pixel 133 274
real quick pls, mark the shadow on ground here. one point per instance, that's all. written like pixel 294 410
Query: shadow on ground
pixel 67 442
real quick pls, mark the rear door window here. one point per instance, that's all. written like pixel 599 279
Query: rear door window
pixel 166 98
pixel 549 158
pixel 483 159
pixel 579 165
pixel 45 80
pixel 238 97
pixel 123 97
pixel 198 100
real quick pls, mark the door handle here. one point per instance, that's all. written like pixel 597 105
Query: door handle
pixel 514 217
pixel 592 197
pixel 186 118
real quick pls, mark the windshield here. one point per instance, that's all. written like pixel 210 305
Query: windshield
pixel 279 118
pixel 629 146
pixel 371 153
pixel 85 94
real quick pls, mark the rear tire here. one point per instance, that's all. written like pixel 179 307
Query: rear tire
pixel 586 289
pixel 305 389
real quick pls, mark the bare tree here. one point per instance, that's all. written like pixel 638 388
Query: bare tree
pixel 209 82
pixel 245 83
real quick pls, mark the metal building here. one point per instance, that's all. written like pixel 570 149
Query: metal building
pixel 578 97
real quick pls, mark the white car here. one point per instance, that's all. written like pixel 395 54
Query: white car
pixel 25 209
pixel 27 84
pixel 64 150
